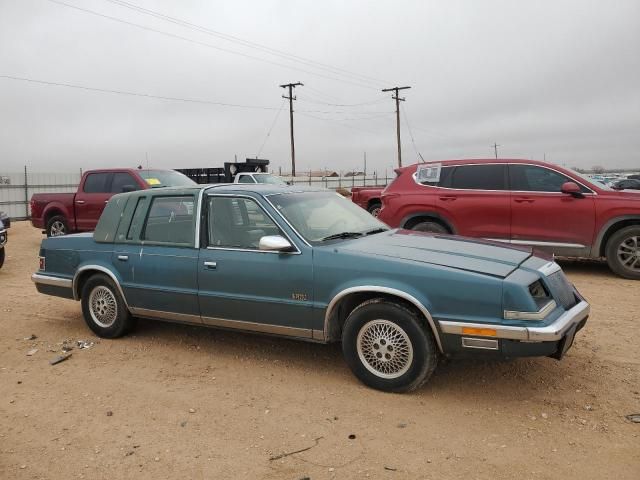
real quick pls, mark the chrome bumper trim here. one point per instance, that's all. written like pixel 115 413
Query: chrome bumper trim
pixel 41 279
pixel 539 315
pixel 550 333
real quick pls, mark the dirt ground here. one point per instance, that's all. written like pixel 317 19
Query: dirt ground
pixel 174 401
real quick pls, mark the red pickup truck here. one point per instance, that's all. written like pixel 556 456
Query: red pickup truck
pixel 521 202
pixel 62 213
pixel 368 198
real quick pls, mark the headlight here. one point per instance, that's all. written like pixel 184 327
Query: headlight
pixel 543 301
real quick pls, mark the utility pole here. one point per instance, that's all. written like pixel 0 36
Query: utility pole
pixel 495 149
pixel 398 100
pixel 291 98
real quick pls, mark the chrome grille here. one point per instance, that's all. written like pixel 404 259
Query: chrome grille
pixel 561 289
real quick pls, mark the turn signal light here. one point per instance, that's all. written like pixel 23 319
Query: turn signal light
pixel 42 263
pixel 481 332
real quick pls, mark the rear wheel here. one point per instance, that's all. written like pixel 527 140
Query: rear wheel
pixel 374 208
pixel 429 226
pixel 387 346
pixel 103 308
pixel 57 226
pixel 623 252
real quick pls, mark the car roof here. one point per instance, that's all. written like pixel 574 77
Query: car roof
pixel 261 188
pixel 467 161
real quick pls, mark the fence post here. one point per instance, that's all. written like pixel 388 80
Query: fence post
pixel 26 194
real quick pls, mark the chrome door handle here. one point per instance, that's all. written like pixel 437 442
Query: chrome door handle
pixel 210 265
pixel 123 258
pixel 80 202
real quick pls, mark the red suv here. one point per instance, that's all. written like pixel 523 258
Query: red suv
pixel 521 202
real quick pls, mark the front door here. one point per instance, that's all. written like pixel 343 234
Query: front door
pixel 543 216
pixel 91 199
pixel 244 287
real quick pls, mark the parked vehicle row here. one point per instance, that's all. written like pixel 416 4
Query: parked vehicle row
pixel 520 202
pixel 311 265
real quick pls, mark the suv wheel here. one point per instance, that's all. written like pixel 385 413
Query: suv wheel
pixel 623 252
pixel 387 346
pixel 57 226
pixel 374 208
pixel 103 308
pixel 429 226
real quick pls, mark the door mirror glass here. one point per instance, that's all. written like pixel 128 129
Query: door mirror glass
pixel 274 243
pixel 571 188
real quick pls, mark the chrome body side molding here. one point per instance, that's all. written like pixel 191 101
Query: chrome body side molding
pixel 160 315
pixel 258 327
pixel 43 279
pixel 386 290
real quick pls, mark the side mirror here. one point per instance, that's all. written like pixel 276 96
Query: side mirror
pixel 128 188
pixel 571 188
pixel 274 243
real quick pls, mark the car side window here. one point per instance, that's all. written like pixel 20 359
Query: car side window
pixel 443 181
pixel 238 222
pixel 96 183
pixel 123 182
pixel 532 178
pixel 137 219
pixel 171 220
pixel 479 177
pixel 246 179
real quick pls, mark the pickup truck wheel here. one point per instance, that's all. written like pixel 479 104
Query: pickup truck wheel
pixel 1 257
pixel 57 226
pixel 623 252
pixel 103 308
pixel 387 346
pixel 428 226
pixel 374 208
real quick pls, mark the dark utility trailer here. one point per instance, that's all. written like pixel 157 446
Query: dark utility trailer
pixel 224 174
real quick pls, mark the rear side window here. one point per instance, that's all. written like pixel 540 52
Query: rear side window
pixel 442 180
pixel 123 182
pixel 96 183
pixel 137 219
pixel 171 220
pixel 479 177
pixel 531 178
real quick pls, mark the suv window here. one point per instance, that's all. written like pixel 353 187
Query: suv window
pixel 238 222
pixel 96 183
pixel 532 178
pixel 479 177
pixel 443 181
pixel 122 180
pixel 246 179
pixel 171 220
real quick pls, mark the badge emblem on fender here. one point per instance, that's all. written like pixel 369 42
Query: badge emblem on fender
pixel 299 296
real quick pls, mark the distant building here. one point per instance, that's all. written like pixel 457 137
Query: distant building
pixel 354 174
pixel 322 173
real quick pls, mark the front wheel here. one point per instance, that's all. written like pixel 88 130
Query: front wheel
pixel 388 347
pixel 103 308
pixel 623 252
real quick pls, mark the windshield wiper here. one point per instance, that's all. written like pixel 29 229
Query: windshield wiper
pixel 343 235
pixel 376 230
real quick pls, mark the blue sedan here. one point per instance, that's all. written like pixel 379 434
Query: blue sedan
pixel 308 264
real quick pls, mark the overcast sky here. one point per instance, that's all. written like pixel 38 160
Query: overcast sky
pixel 559 79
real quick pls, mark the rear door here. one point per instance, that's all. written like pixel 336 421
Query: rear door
pixel 543 216
pixel 476 199
pixel 91 198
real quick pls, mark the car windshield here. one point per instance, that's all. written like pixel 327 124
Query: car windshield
pixel 270 179
pixel 324 216
pixel 591 180
pixel 165 178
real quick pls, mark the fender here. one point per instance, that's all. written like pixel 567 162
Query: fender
pixel 388 291
pixel 63 209
pixel 97 268
pixel 430 213
pixel 597 244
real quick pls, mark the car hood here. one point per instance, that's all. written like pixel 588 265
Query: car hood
pixel 474 255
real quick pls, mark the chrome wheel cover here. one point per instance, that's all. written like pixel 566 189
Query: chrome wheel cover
pixel 629 253
pixel 375 211
pixel 103 306
pixel 384 349
pixel 58 229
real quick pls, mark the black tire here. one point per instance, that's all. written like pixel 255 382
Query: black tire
pixel 429 226
pixel 1 256
pixel 57 226
pixel 366 320
pixel 374 208
pixel 624 246
pixel 104 309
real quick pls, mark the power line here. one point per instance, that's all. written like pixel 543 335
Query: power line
pixel 205 44
pixel 338 122
pixel 247 43
pixel 134 94
pixel 273 124
pixel 406 120
pixel 373 102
